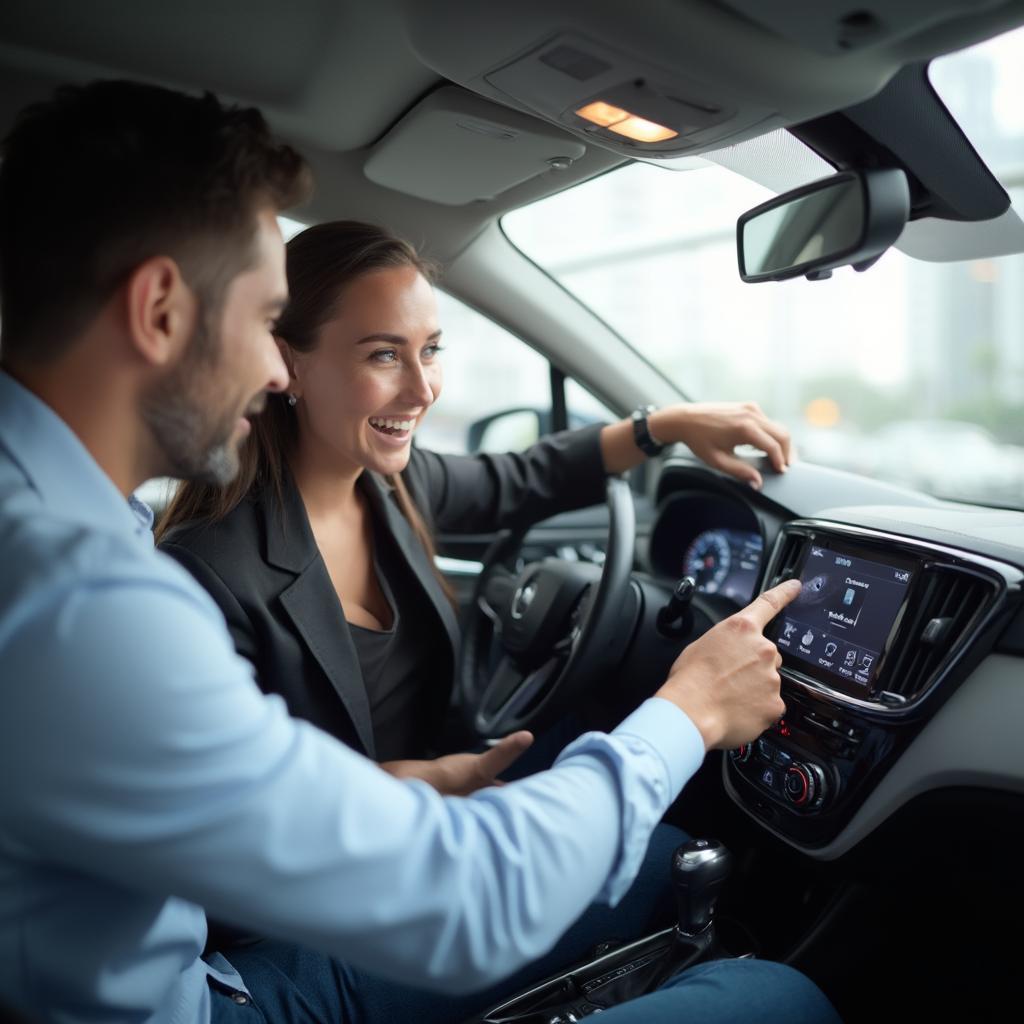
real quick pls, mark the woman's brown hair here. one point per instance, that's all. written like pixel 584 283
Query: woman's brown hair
pixel 321 262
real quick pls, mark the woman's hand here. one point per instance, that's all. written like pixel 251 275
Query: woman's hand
pixel 711 430
pixel 462 774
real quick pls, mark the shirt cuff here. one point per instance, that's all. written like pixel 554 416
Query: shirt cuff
pixel 667 728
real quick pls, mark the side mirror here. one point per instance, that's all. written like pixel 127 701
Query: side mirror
pixel 850 218
pixel 510 430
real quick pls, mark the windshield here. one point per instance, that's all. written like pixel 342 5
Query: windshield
pixel 912 371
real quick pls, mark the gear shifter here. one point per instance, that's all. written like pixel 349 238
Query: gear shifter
pixel 699 870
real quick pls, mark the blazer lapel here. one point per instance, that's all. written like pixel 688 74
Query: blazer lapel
pixel 387 511
pixel 313 606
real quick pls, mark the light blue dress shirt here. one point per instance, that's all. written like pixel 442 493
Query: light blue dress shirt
pixel 144 777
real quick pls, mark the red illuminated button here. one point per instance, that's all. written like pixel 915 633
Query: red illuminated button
pixel 741 755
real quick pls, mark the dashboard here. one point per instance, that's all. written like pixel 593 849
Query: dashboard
pixel 901 658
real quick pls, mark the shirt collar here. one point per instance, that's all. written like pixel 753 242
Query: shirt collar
pixel 59 467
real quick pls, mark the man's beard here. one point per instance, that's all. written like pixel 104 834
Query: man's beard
pixel 195 442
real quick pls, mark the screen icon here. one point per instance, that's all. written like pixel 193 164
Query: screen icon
pixel 849 596
pixel 807 639
pixel 866 662
pixel 789 629
pixel 830 648
pixel 851 657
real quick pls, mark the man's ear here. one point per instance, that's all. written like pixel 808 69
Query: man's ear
pixel 161 310
pixel 288 354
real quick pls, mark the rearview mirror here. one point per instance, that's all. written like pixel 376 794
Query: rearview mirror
pixel 850 218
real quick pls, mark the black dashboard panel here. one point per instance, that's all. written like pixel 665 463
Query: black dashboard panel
pixel 927 616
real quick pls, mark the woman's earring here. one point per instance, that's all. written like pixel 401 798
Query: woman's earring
pixel 292 399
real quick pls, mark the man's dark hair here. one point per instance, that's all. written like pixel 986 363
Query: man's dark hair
pixel 105 176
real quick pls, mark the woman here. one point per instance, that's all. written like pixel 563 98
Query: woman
pixel 321 554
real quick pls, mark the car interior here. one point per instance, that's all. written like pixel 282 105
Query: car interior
pixel 552 157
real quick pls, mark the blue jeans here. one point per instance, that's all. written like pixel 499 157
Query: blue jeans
pixel 290 985
pixel 719 992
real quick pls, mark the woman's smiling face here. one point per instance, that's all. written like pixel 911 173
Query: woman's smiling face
pixel 374 372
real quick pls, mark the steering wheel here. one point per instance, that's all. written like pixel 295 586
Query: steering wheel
pixel 557 624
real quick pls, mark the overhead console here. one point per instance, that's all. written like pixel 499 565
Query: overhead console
pixel 621 101
pixel 884 630
pixel 686 77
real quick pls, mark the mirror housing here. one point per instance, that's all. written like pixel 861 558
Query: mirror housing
pixel 849 218
pixel 513 430
pixel 508 430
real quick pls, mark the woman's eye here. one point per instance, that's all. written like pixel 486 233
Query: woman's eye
pixel 432 350
pixel 384 355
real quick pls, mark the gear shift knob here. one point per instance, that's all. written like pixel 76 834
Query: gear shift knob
pixel 699 870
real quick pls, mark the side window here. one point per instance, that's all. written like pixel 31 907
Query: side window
pixel 584 408
pixel 497 390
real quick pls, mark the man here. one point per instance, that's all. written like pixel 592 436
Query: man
pixel 145 777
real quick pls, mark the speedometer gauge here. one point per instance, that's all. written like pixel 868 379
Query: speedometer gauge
pixel 708 560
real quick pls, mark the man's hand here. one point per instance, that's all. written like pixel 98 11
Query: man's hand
pixel 462 774
pixel 728 681
pixel 711 430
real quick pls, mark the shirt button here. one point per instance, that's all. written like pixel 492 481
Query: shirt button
pixel 240 997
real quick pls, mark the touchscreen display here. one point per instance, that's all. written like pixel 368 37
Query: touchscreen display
pixel 841 622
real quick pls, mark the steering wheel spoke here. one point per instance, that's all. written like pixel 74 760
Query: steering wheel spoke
pixel 559 624
pixel 510 692
pixel 495 597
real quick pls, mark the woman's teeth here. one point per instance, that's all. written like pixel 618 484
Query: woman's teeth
pixel 389 425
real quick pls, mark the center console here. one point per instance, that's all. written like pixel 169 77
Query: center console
pixel 884 629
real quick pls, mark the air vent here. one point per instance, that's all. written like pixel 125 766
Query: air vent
pixel 791 554
pixel 951 604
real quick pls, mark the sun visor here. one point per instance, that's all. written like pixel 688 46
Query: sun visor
pixel 947 241
pixel 454 148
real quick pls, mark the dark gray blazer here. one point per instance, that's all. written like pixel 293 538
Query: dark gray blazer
pixel 263 568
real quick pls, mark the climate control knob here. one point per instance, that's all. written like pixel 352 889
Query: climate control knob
pixel 741 754
pixel 805 784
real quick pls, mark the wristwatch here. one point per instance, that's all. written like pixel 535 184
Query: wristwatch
pixel 642 433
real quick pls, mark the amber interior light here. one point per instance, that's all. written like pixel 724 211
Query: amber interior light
pixel 622 122
pixel 641 130
pixel 602 113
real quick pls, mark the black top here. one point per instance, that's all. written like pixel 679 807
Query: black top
pixel 405 710
pixel 262 566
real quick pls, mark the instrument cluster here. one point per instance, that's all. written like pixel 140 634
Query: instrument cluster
pixel 716 541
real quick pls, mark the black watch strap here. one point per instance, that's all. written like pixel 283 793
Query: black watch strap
pixel 642 433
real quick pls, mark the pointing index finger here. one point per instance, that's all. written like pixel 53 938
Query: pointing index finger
pixel 766 606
